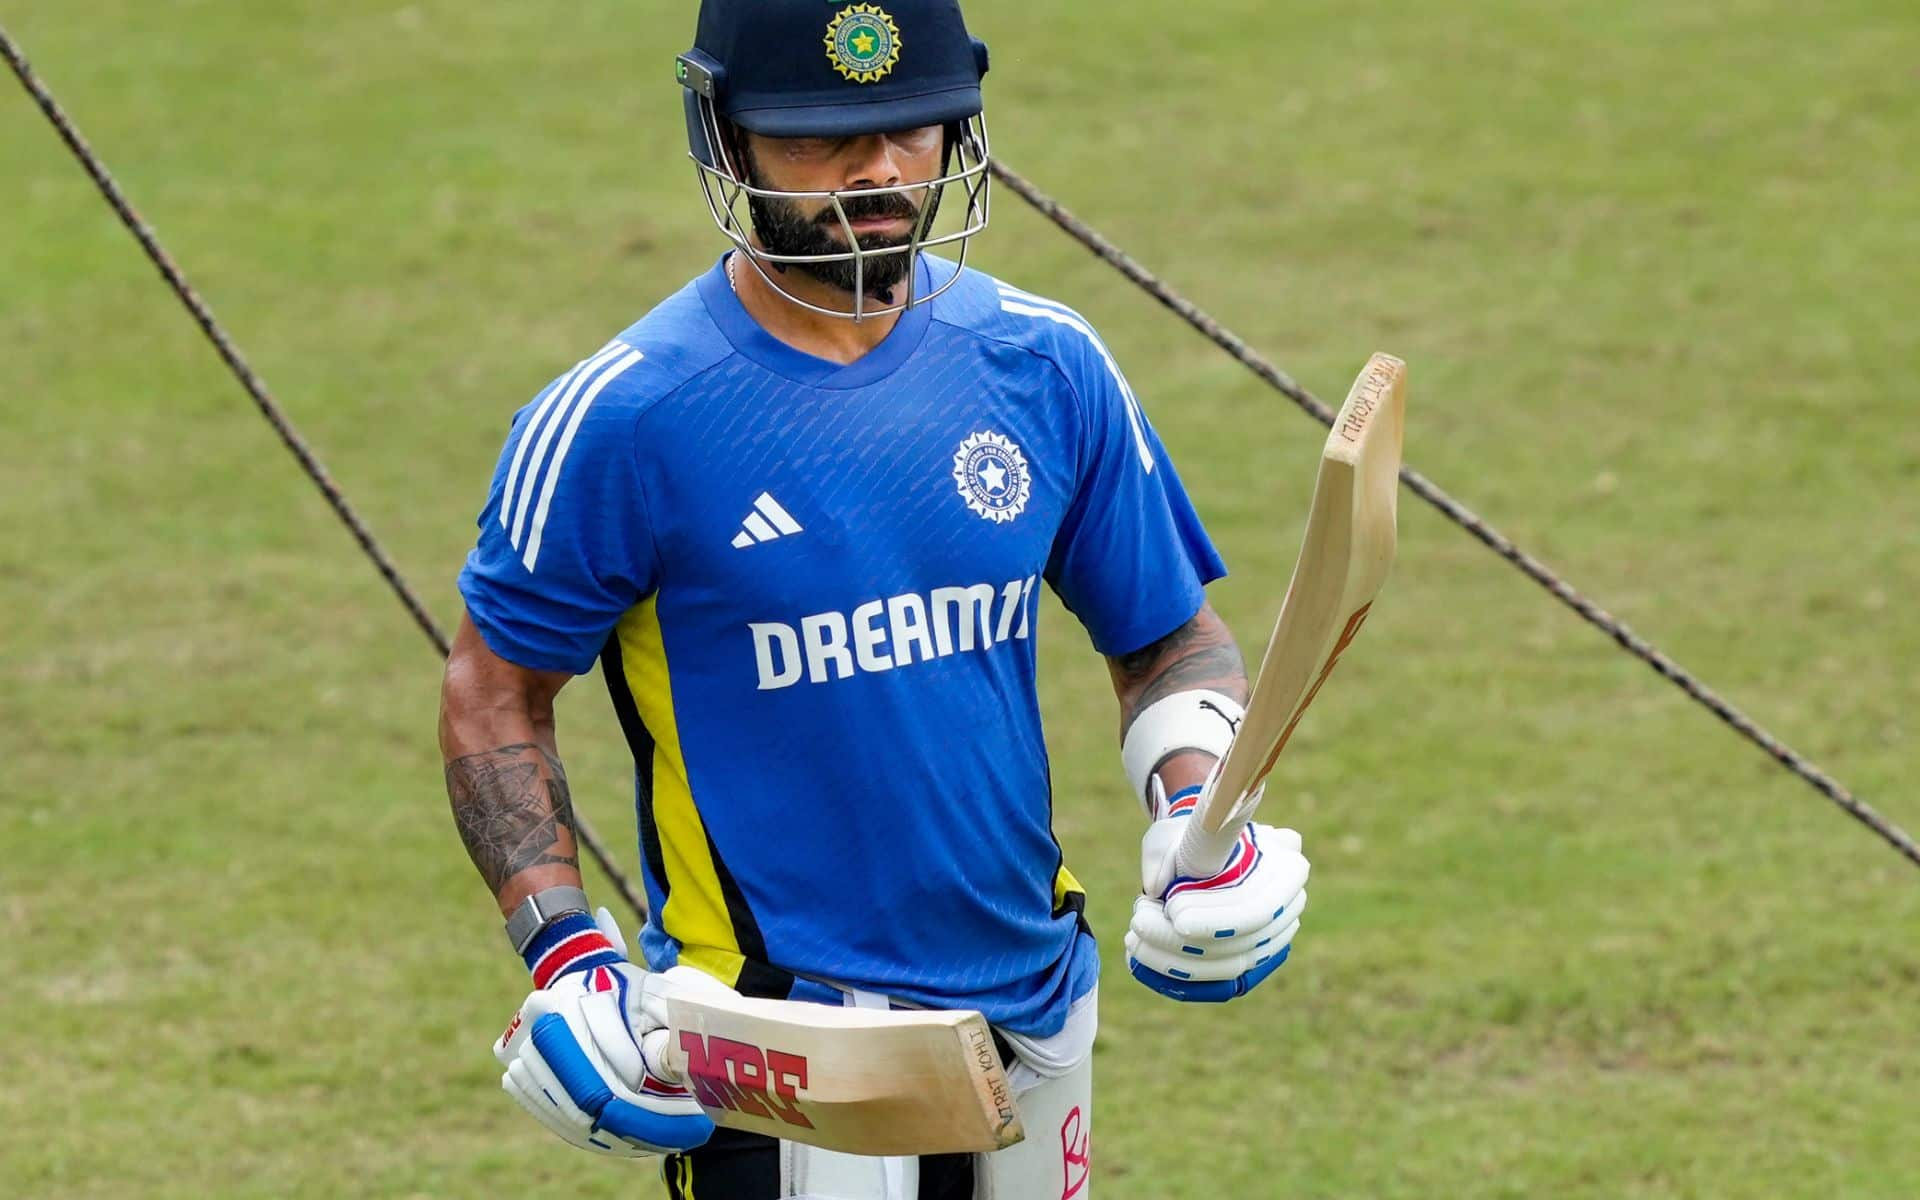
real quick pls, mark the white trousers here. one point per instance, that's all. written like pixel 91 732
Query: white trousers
pixel 1051 1164
pixel 1052 1080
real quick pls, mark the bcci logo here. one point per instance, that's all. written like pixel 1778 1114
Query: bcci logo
pixel 993 476
pixel 863 43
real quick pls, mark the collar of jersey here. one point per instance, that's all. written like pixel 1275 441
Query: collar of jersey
pixel 756 343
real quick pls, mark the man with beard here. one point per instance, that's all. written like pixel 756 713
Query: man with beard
pixel 798 513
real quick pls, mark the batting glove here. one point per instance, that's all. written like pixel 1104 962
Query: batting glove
pixel 1212 938
pixel 584 1056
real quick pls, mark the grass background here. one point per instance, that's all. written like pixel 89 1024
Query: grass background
pixel 1651 260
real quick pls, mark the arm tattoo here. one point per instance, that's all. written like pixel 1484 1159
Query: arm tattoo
pixel 510 814
pixel 1199 654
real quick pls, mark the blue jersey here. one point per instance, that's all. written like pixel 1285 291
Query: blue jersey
pixel 812 591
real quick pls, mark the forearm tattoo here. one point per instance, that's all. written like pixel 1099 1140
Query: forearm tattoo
pixel 512 815
pixel 1199 654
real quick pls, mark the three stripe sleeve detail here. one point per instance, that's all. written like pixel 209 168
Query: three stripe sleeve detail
pixel 558 415
pixel 1015 301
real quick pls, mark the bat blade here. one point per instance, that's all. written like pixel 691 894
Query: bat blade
pixel 1345 556
pixel 861 1081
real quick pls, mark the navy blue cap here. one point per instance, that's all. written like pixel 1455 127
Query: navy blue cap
pixel 803 68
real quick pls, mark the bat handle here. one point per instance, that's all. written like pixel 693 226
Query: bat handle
pixel 662 1056
pixel 1202 855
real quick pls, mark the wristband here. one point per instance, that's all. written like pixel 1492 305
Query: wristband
pixel 539 908
pixel 1197 720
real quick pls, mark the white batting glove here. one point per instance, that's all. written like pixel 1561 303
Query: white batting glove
pixel 1212 938
pixel 585 1056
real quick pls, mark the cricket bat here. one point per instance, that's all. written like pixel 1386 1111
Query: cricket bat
pixel 857 1080
pixel 1344 559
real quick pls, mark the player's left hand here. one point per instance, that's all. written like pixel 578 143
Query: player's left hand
pixel 1213 938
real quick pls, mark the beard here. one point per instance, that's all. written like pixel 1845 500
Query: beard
pixel 784 228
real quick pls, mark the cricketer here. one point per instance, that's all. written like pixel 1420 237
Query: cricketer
pixel 798 514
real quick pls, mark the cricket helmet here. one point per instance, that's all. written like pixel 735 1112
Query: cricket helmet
pixel 799 68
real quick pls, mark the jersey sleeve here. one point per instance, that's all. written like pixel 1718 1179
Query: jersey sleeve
pixel 1132 559
pixel 565 546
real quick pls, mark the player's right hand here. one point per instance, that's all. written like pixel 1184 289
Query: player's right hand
pixel 1213 937
pixel 584 1057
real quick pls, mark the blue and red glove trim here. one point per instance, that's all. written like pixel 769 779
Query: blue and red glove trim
pixel 568 943
pixel 1183 802
pixel 1244 857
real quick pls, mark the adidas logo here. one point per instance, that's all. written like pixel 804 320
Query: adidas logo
pixel 766 522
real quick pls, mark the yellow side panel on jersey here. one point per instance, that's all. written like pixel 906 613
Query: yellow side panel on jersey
pixel 695 914
pixel 1066 886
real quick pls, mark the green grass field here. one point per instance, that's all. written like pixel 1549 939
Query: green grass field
pixel 1652 262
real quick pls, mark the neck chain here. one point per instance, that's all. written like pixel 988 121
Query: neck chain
pixel 733 266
